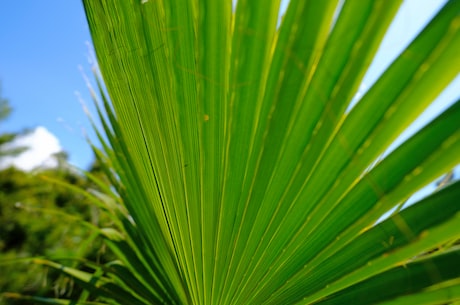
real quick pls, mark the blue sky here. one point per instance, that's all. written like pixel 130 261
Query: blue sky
pixel 42 43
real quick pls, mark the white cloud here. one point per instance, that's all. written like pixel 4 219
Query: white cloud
pixel 41 145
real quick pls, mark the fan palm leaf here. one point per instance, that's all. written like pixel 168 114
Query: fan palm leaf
pixel 245 171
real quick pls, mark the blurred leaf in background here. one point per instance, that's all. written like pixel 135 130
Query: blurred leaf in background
pixel 5 111
pixel 5 108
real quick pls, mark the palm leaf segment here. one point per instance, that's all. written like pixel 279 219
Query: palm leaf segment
pixel 247 176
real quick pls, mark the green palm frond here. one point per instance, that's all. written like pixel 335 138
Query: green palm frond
pixel 244 173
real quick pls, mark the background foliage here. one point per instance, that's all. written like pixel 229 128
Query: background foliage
pixel 40 216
